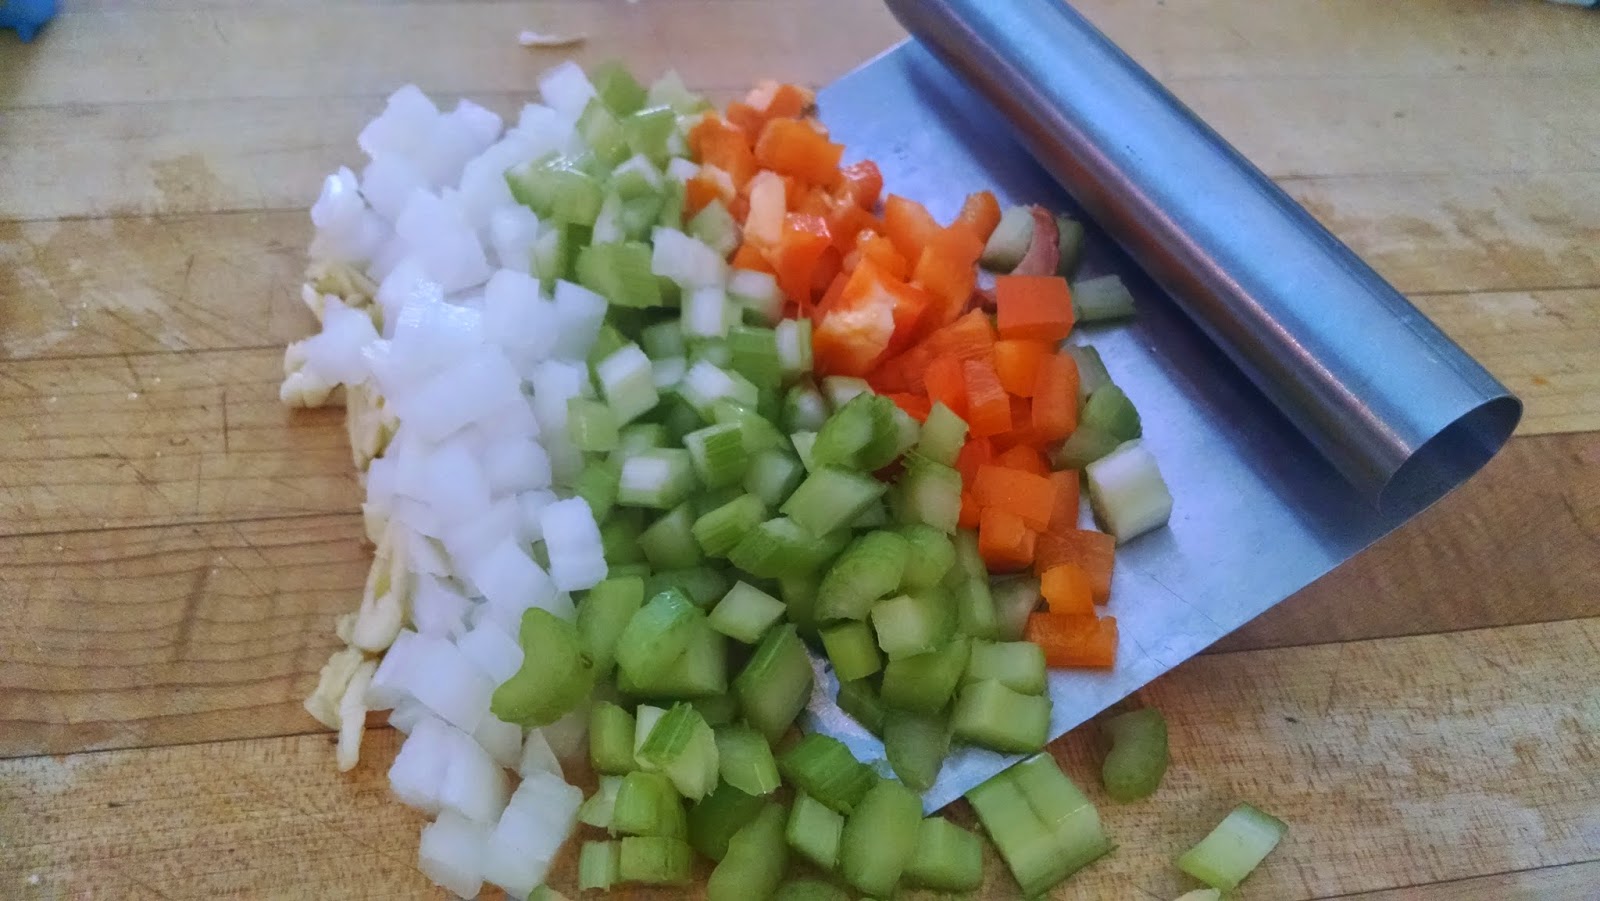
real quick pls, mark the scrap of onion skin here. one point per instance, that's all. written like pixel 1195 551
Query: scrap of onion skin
pixel 543 40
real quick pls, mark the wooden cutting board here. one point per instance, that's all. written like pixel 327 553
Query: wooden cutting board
pixel 174 544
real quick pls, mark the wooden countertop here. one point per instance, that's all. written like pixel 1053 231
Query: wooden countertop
pixel 174 544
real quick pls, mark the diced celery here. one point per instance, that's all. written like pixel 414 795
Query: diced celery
pixel 616 87
pixel 993 716
pixel 831 497
pixel 755 354
pixel 627 382
pixel 799 594
pixel 647 804
pixel 718 710
pixel 719 815
pixel 1138 757
pixel 669 542
pixel 638 217
pixel 1234 849
pixel 1064 810
pixel 929 492
pixel 822 767
pixel 909 625
pixel 608 224
pixel 649 133
pixel 555 675
pixel 773 475
pixel 814 830
pixel 1009 241
pixel 711 350
pixel 758 294
pixel 663 340
pixel 932 555
pixel 591 425
pixel 1101 299
pixel 636 178
pixel 775 685
pixel 1127 493
pixel 1109 410
pixel 596 809
pixel 846 433
pixel 852 649
pixel 671 215
pixel 781 547
pixel 876 516
pixel 908 431
pixel 659 478
pixel 943 434
pixel 712 498
pixel 1045 828
pixel 1092 374
pixel 1069 246
pixel 656 636
pixel 809 890
pixel 756 857
pixel 611 732
pixel 880 838
pixel 716 227
pixel 916 745
pixel 948 857
pixel 557 189
pixel 1015 597
pixel 871 567
pixel 758 432
pixel 718 454
pixel 804 408
pixel 745 760
pixel 794 346
pixel 598 484
pixel 925 682
pixel 684 747
pixel 700 671
pixel 620 272
pixel 599 865
pixel 602 615
pixel 555 252
pixel 654 860
pixel 619 534
pixel 619 570
pixel 1018 665
pixel 669 90
pixel 860 700
pixel 645 719
pixel 746 612
pixel 607 342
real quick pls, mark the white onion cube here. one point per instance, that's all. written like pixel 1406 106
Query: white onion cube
pixel 577 559
pixel 451 853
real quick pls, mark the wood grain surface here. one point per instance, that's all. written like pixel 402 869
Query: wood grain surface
pixel 173 544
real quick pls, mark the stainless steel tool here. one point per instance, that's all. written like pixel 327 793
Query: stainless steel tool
pixel 1299 406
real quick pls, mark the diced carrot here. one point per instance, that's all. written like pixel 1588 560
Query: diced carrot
pixel 792 147
pixel 830 297
pixel 909 225
pixel 971 338
pixel 1026 458
pixel 980 214
pixel 748 256
pixel 1094 551
pixel 860 326
pixel 1066 589
pixel 699 192
pixel 725 147
pixel 915 405
pixel 1030 497
pixel 1064 515
pixel 1004 541
pixel 988 407
pixel 1017 364
pixel 790 101
pixel 1074 641
pixel 1033 306
pixel 848 223
pixel 946 384
pixel 947 268
pixel 970 512
pixel 747 118
pixel 1055 397
pixel 975 453
pixel 880 250
pixel 862 183
pixel 828 267
pixel 804 240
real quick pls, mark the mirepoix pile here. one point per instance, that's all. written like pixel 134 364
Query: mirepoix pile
pixel 653 404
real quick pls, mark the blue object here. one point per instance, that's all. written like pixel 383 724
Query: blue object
pixel 26 16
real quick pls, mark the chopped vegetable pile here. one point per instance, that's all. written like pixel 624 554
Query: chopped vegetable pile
pixel 651 404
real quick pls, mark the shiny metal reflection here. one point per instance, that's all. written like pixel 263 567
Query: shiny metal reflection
pixel 1311 411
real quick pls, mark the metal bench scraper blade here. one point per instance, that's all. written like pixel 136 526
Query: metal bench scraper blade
pixel 1300 407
